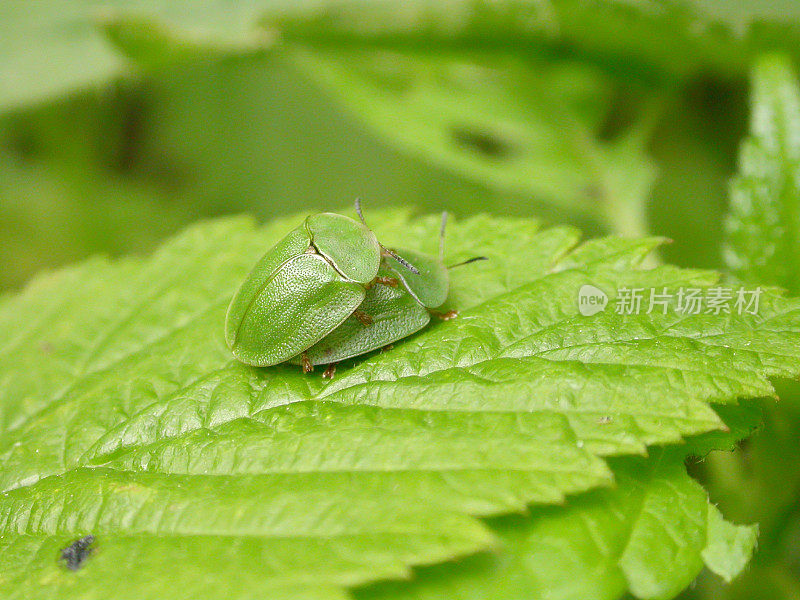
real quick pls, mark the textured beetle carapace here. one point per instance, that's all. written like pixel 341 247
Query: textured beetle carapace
pixel 329 291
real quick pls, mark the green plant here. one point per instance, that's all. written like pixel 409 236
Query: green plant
pixel 125 417
pixel 762 481
pixel 534 447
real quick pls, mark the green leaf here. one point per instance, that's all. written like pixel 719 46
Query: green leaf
pixel 764 220
pixel 675 38
pixel 527 126
pixel 741 421
pixel 649 535
pixel 651 41
pixel 729 546
pixel 153 44
pixel 73 52
pixel 761 482
pixel 123 414
pixel 30 73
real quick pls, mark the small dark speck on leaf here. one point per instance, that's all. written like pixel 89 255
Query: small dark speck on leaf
pixel 74 555
pixel 485 142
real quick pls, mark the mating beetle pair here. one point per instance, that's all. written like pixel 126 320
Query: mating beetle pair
pixel 329 291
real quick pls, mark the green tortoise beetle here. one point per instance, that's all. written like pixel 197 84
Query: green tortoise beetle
pixel 302 289
pixel 395 311
pixel 329 291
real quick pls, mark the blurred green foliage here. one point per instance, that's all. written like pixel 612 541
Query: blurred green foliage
pixel 762 482
pixel 128 120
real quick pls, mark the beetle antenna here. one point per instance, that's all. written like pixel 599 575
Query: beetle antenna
pixel 441 235
pixel 469 260
pixel 401 260
pixel 359 213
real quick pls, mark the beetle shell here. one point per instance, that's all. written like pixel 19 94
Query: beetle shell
pixel 302 289
pixel 395 315
pixel 430 287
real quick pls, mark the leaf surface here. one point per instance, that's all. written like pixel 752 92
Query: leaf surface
pixel 764 220
pixel 649 535
pixel 123 414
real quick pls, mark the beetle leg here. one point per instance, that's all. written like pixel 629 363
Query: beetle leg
pixel 445 316
pixel 307 366
pixel 390 281
pixel 363 317
pixel 330 371
pixel 386 348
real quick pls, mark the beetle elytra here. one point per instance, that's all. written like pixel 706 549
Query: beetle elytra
pixel 329 291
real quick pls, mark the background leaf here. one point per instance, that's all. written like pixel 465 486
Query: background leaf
pixel 666 40
pixel 650 534
pixel 214 126
pixel 761 483
pixel 73 53
pixel 527 127
pixel 653 41
pixel 764 222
